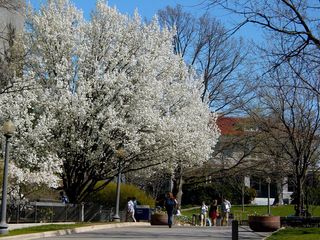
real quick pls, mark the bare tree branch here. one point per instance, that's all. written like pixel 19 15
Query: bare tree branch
pixel 207 46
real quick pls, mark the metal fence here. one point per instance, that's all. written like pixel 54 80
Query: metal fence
pixel 59 212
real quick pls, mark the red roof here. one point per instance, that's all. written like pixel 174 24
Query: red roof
pixel 230 125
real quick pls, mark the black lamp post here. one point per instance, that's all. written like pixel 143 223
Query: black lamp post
pixel 242 196
pixel 8 129
pixel 120 154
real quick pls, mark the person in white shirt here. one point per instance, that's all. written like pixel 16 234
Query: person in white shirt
pixel 203 214
pixel 130 210
pixel 225 210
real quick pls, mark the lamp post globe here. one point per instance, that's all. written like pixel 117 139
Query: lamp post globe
pixel 8 129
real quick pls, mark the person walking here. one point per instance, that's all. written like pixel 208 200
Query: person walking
pixel 225 210
pixel 63 197
pixel 203 214
pixel 130 210
pixel 213 212
pixel 135 203
pixel 170 204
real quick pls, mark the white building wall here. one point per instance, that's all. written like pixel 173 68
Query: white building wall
pixel 247 181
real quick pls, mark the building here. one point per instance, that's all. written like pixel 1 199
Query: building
pixel 237 147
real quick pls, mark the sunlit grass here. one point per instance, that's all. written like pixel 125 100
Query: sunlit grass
pixel 284 210
pixel 296 234
pixel 45 228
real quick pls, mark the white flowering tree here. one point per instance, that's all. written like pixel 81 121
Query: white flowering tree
pixel 110 96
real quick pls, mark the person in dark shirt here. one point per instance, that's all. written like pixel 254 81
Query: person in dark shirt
pixel 170 204
pixel 63 197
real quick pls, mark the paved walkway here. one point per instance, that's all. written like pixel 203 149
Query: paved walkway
pixel 147 232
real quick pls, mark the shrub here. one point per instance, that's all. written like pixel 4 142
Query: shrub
pixel 249 195
pixel 194 195
pixel 107 196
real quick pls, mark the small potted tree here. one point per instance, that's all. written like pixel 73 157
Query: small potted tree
pixel 265 223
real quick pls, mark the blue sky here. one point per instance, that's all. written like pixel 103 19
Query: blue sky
pixel 148 8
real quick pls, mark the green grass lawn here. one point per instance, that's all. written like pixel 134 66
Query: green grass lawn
pixel 285 210
pixel 296 234
pixel 45 228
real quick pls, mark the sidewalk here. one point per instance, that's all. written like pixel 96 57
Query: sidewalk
pixel 139 230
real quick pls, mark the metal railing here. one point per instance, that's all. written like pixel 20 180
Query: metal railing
pixel 59 212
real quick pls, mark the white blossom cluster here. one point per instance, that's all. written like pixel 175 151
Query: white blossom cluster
pixel 100 85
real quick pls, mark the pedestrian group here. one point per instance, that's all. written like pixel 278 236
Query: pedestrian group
pixel 208 215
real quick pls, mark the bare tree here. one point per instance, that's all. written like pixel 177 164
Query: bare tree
pixel 290 122
pixel 280 138
pixel 290 55
pixel 11 49
pixel 296 19
pixel 11 5
pixel 11 63
pixel 277 164
pixel 291 27
pixel 205 45
pixel 11 13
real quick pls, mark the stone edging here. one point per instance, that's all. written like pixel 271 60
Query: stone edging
pixel 263 238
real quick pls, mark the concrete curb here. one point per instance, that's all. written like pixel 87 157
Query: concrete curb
pixel 74 230
pixel 265 238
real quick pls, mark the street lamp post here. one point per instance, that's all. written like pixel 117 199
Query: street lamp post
pixel 120 154
pixel 268 180
pixel 116 217
pixel 242 196
pixel 8 129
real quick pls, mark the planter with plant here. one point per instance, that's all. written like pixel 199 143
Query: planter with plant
pixel 264 223
pixel 159 217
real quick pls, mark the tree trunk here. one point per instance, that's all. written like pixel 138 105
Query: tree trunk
pixel 177 185
pixel 179 193
pixel 299 207
pixel 278 200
